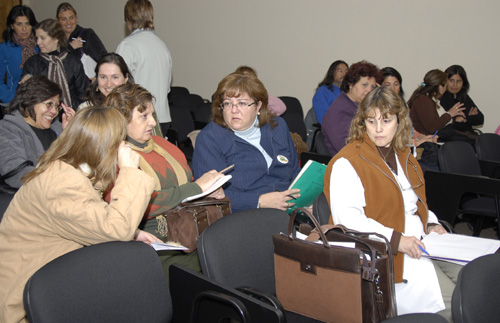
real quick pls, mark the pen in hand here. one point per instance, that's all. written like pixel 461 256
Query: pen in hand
pixel 226 169
pixel 435 134
pixel 424 251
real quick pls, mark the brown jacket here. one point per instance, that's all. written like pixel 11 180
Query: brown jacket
pixel 384 200
pixel 57 212
pixel 425 117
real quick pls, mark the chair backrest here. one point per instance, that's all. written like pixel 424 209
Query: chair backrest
pixel 294 116
pixel 175 91
pixel 458 157
pixel 182 123
pixel 321 209
pixel 4 203
pixel 320 145
pixel 187 285
pixel 488 146
pixel 238 250
pixel 476 297
pixel 312 126
pixel 107 282
pixel 203 112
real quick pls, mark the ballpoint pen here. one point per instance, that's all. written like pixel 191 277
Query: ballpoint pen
pixel 424 251
pixel 435 134
pixel 82 40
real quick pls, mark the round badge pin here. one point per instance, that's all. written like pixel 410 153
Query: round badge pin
pixel 282 159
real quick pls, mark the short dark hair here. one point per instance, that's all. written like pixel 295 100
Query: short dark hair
pixel 18 11
pixel 330 74
pixel 357 71
pixel 54 29
pixel 92 94
pixel 35 90
pixel 460 71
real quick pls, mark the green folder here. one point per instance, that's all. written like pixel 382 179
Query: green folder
pixel 310 182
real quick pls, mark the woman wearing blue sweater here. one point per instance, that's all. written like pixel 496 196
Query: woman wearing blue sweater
pixel 18 45
pixel 245 133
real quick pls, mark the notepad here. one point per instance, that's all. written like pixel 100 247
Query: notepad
pixel 310 182
pixel 221 181
pixel 458 248
pixel 167 246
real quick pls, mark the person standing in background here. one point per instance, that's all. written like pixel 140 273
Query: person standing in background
pixel 82 42
pixel 19 44
pixel 147 56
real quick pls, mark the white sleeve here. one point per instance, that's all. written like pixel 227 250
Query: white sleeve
pixel 347 200
pixel 432 218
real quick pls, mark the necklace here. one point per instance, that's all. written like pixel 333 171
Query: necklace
pixel 384 157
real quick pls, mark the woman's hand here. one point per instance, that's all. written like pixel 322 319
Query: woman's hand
pixel 410 246
pixel 429 138
pixel 279 200
pixel 127 157
pixel 438 228
pixel 145 237
pixel 473 111
pixel 77 43
pixel 68 114
pixel 457 110
pixel 208 179
pixel 218 194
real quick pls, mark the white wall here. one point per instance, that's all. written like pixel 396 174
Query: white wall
pixel 291 43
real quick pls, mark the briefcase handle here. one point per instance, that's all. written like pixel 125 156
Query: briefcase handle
pixel 313 219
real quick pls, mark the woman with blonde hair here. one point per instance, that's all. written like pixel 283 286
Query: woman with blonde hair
pixel 374 184
pixel 163 161
pixel 59 208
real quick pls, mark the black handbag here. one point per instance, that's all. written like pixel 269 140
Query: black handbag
pixel 6 188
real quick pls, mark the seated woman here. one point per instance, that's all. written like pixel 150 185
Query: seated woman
pixel 56 63
pixel 111 71
pixel 328 90
pixel 374 184
pixel 80 40
pixel 457 92
pixel 245 133
pixel 30 127
pixel 426 114
pixel 164 162
pixel 359 80
pixel 275 105
pixel 59 208
pixel 19 44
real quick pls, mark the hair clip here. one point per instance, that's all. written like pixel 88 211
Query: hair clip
pixel 422 84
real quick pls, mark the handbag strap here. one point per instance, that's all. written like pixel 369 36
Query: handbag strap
pixel 313 219
pixel 16 170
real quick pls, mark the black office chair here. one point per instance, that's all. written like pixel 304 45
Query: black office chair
pixel 307 155
pixel 4 203
pixel 294 116
pixel 461 188
pixel 107 282
pixel 321 209
pixel 320 145
pixel 197 298
pixel 476 298
pixel 488 146
pixel 182 125
pixel 238 250
pixel 174 92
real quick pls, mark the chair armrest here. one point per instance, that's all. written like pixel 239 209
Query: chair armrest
pixel 262 296
pixel 444 191
pixel 210 303
pixel 490 168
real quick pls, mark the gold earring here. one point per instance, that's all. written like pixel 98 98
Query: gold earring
pixel 258 113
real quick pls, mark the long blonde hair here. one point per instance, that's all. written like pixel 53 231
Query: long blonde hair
pixel 92 137
pixel 388 103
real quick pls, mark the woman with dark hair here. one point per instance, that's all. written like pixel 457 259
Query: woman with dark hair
pixel 244 133
pixel 457 92
pixel 162 161
pixel 374 184
pixel 60 208
pixel 329 89
pixel 82 42
pixel 18 45
pixel 55 62
pixel 30 126
pixel 360 79
pixel 393 80
pixel 426 113
pixel 111 71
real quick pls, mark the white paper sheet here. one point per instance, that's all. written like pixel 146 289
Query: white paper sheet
pixel 167 246
pixel 221 181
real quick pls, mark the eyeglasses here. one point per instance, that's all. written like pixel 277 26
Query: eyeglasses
pixel 227 105
pixel 51 105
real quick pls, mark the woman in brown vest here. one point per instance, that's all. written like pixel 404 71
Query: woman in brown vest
pixel 374 184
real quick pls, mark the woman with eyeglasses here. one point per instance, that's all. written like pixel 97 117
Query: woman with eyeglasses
pixel 30 127
pixel 374 184
pixel 245 133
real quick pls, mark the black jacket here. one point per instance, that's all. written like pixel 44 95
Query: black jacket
pixel 92 46
pixel 447 101
pixel 76 78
